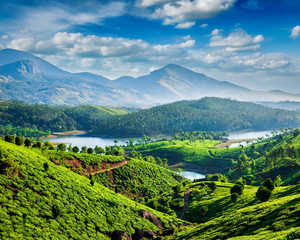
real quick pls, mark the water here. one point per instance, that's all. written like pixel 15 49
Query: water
pixel 247 135
pixel 81 140
pixel 192 175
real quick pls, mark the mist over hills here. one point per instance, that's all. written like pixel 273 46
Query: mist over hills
pixel 29 78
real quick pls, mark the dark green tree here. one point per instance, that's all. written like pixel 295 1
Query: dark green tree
pixel 90 150
pixel 62 147
pixel 263 194
pixel 269 184
pixel 75 149
pixel 27 142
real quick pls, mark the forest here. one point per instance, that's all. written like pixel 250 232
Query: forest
pixel 206 114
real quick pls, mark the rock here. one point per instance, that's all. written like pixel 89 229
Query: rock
pixel 149 216
pixel 120 235
pixel 142 234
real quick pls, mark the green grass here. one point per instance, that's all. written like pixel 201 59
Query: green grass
pixel 60 204
pixel 199 152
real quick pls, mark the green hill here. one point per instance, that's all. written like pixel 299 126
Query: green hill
pixel 249 218
pixel 15 116
pixel 41 200
pixel 206 114
pixel 140 179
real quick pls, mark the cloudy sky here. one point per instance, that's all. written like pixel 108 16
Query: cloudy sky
pixel 247 42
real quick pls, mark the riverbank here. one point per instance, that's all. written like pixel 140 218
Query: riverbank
pixel 227 143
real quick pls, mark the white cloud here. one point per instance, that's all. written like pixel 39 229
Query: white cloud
pixel 216 31
pixel 47 20
pixel 149 3
pixel 179 11
pixel 185 25
pixel 91 46
pixel 4 37
pixel 295 33
pixel 238 40
pixel 204 25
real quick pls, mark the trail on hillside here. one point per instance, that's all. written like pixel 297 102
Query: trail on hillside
pixel 186 203
pixel 102 167
pixel 116 165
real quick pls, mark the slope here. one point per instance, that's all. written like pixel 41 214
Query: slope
pixel 41 202
pixel 249 218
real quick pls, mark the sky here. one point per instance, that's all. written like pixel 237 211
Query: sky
pixel 251 43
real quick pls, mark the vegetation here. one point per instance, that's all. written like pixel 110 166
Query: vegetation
pixel 57 203
pixel 206 114
pixel 36 120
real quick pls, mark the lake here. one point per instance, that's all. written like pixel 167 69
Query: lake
pixel 81 140
pixel 192 175
pixel 247 135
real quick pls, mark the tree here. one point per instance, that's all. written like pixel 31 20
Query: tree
pixel 278 181
pixel 116 141
pixel 213 186
pixel 62 147
pixel 99 150
pixel 269 184
pixel 9 138
pixel 37 144
pixel 263 194
pixel 19 141
pixel 237 188
pixel 27 142
pixel 75 149
pixel 90 150
pixel 70 148
pixel 234 197
pixel 84 149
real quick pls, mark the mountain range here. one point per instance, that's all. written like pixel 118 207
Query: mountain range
pixel 26 77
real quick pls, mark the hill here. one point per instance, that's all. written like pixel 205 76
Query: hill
pixel 40 202
pixel 206 114
pixel 248 218
pixel 25 77
pixel 49 119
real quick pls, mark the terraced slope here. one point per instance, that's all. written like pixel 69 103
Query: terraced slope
pixel 39 199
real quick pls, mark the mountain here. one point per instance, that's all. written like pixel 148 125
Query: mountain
pixel 29 78
pixel 174 82
pixel 287 105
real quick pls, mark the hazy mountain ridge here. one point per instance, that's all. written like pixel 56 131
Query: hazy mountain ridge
pixel 29 78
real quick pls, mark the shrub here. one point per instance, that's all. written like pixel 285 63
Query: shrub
pixel 237 188
pixel 19 141
pixel 263 194
pixel 90 150
pixel 27 142
pixel 75 149
pixel 10 138
pixel 269 184
pixel 62 147
pixel 234 197
pixel 56 211
pixel 212 186
pixel 203 210
pixel 46 166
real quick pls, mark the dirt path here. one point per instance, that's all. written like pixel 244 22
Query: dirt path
pixel 186 203
pixel 102 167
pixel 116 165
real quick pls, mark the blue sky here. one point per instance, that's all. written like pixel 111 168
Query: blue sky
pixel 247 42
